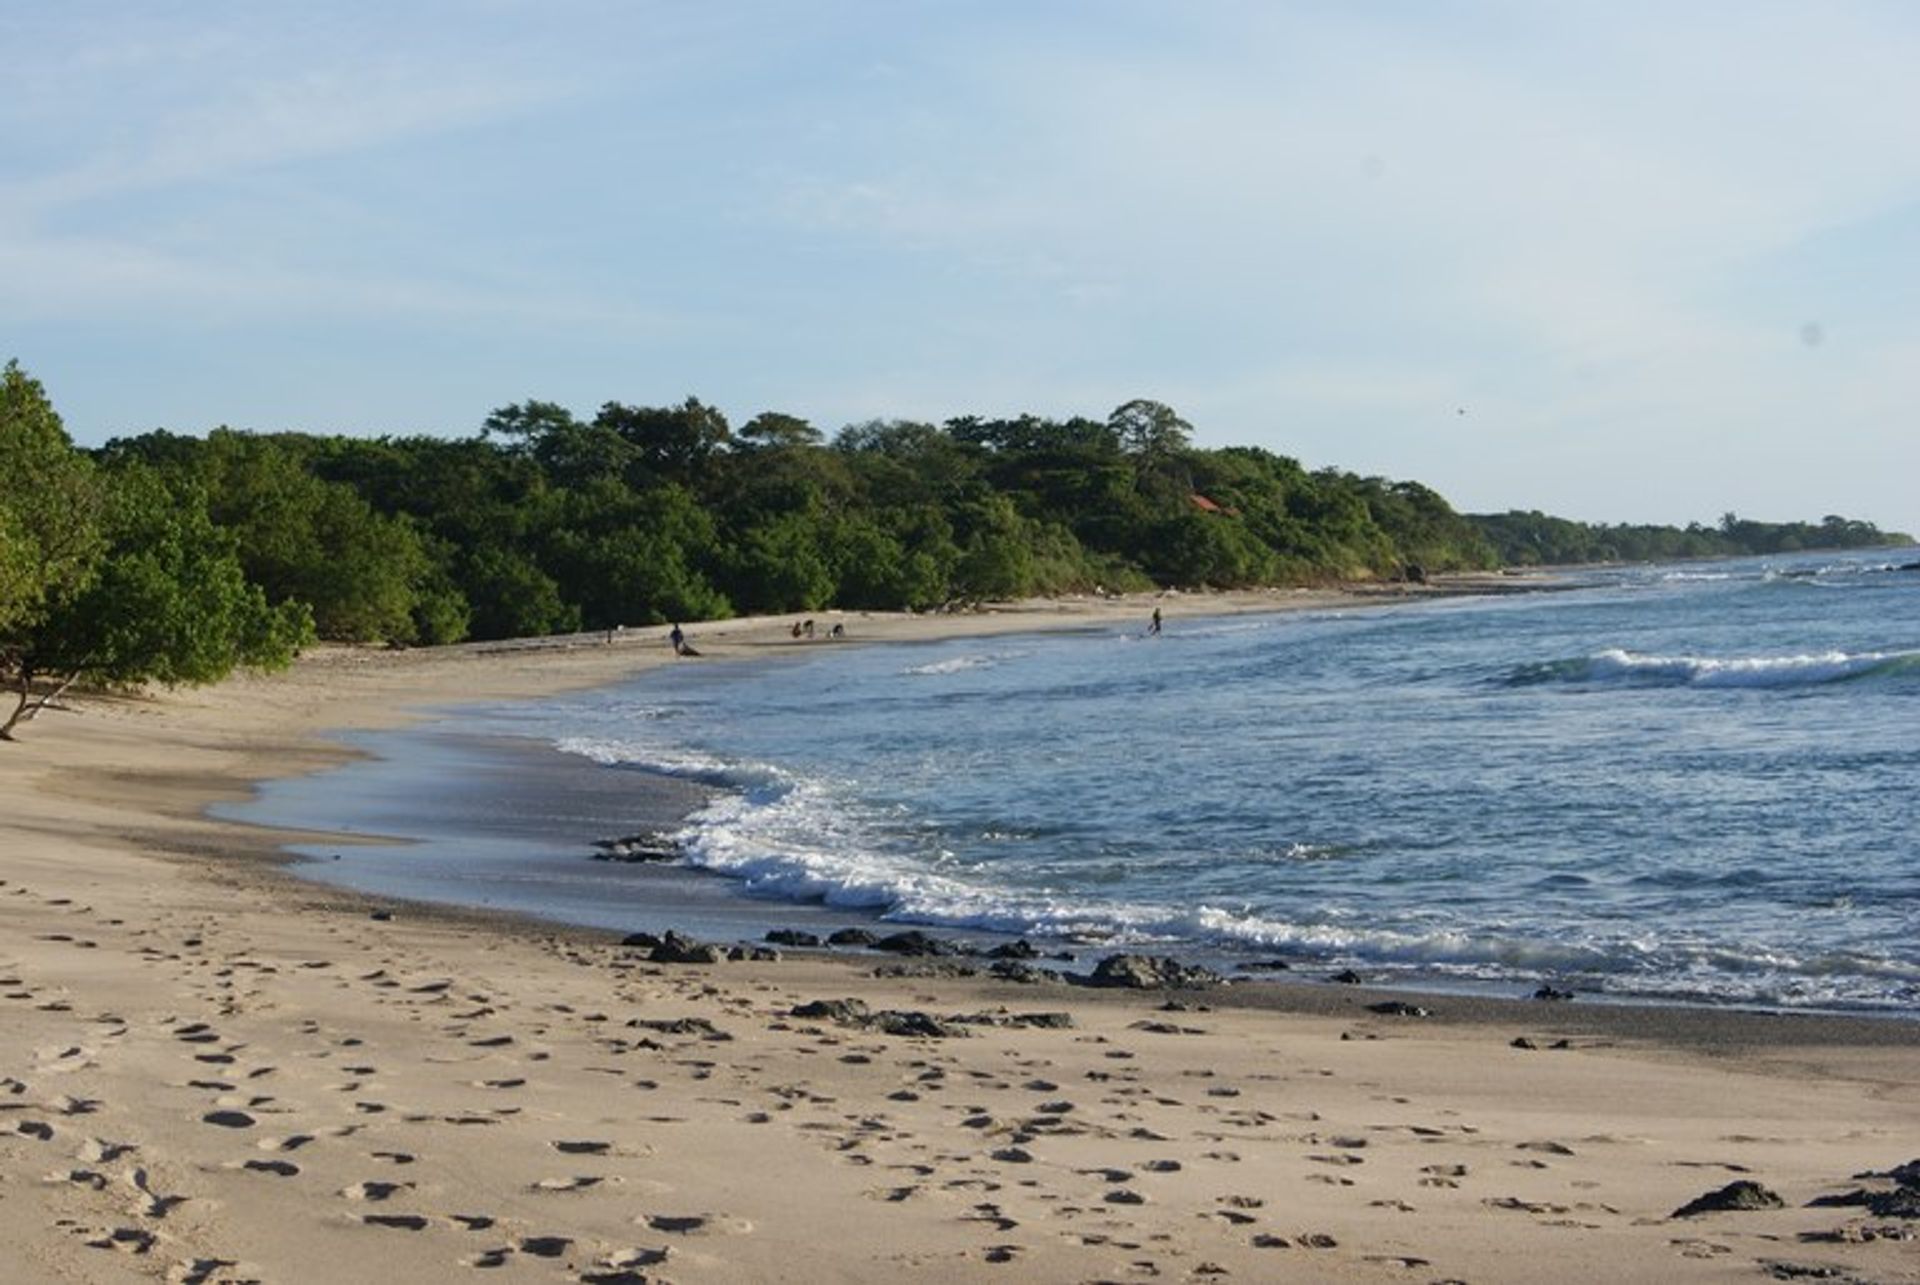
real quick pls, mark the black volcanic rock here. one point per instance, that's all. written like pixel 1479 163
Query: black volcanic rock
pixel 1150 972
pixel 1734 1197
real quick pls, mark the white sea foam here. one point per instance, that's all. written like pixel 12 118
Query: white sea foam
pixel 1745 671
pixel 955 665
pixel 672 760
pixel 803 842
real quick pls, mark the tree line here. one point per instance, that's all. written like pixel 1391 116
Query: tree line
pixel 175 557
pixel 1535 539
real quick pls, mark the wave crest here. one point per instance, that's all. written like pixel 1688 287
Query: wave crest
pixel 1619 665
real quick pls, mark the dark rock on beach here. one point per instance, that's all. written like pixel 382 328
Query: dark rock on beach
pixel 1734 1197
pixel 1552 993
pixel 1043 1021
pixel 680 1026
pixel 1907 1175
pixel 1901 1202
pixel 1022 949
pixel 913 1023
pixel 1347 977
pixel 641 941
pixel 853 1012
pixel 916 943
pixel 637 847
pixel 675 949
pixel 1151 972
pixel 851 937
pixel 1264 966
pixel 793 937
pixel 1399 1008
pixel 849 1011
pixel 1015 970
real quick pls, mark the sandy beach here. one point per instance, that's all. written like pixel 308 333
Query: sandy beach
pixel 217 1072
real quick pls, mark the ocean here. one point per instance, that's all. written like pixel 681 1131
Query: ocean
pixel 1687 783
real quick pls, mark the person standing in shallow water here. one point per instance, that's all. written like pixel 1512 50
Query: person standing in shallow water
pixel 1154 627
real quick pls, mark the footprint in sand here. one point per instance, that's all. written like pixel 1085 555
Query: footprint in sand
pixel 82 1178
pixel 229 1119
pixel 150 1204
pixel 100 1151
pixel 397 1222
pixel 697 1224
pixel 375 1191
pixel 292 1142
pixel 130 1240
pixel 544 1246
pixel 578 1182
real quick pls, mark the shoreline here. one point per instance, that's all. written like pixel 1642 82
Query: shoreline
pixel 582 802
pixel 219 1065
pixel 708 905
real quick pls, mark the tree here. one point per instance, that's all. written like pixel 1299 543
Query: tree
pixel 365 576
pixel 773 430
pixel 169 603
pixel 1157 439
pixel 50 507
pixel 670 443
pixel 1149 428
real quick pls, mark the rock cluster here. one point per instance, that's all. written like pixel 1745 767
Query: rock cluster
pixel 1151 972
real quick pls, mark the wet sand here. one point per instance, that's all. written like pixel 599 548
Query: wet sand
pixel 221 1073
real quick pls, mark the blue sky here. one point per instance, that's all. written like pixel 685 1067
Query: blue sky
pixel 1621 261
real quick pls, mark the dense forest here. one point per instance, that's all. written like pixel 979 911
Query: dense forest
pixel 1534 539
pixel 175 557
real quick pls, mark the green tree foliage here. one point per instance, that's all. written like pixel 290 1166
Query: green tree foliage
pixel 170 603
pixel 130 582
pixel 670 444
pixel 366 576
pixel 50 507
pixel 1527 539
pixel 512 597
pixel 545 523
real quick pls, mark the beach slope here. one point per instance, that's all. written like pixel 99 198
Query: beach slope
pixel 216 1072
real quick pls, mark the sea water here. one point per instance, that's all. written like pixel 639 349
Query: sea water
pixel 1685 783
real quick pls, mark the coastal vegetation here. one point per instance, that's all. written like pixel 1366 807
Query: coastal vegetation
pixel 174 558
pixel 116 575
pixel 1535 539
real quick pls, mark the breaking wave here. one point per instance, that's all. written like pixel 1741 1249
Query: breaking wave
pixel 1619 665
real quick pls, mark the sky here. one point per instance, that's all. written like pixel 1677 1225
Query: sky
pixel 1619 261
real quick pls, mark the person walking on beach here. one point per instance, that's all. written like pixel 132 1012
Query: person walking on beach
pixel 678 639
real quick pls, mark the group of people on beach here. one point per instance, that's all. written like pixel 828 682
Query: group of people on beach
pixel 677 639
